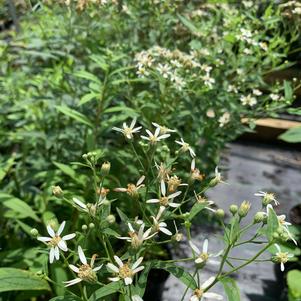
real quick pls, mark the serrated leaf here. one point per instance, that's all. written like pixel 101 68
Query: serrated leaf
pixel 12 279
pixel 75 115
pixel 106 290
pixel 231 289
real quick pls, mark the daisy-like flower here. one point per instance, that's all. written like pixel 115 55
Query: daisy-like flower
pixel 257 92
pixel 154 138
pixel 132 189
pixel 281 257
pixel 208 80
pixel 125 271
pixel 85 272
pixel 185 147
pixel 195 173
pixel 173 183
pixel 164 70
pixel 165 200
pixel 203 256
pixel 56 242
pixel 199 294
pixel 163 171
pixel 224 119
pixel 248 100
pixel 137 239
pixel 267 197
pixel 274 96
pixel 88 208
pixel 160 226
pixel 163 129
pixel 128 131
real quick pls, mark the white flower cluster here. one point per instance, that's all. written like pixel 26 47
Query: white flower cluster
pixel 173 66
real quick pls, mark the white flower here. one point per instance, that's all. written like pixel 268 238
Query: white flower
pixel 136 298
pixel 208 81
pixel 137 239
pixel 128 131
pixel 88 208
pixel 154 138
pixel 232 88
pixel 203 256
pixel 263 46
pixel 85 271
pixel 142 72
pixel 206 68
pixel 165 200
pixel 160 226
pixel 267 197
pixel 195 172
pixel 132 189
pixel 257 92
pixel 224 119
pixel 274 96
pixel 282 257
pixel 164 70
pixel 125 271
pixel 56 242
pixel 210 113
pixel 163 129
pixel 186 147
pixel 199 293
pixel 248 100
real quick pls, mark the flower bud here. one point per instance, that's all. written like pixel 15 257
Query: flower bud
pixel 91 225
pixel 177 237
pixel 84 227
pixel 111 219
pixel 106 202
pixel 233 209
pixel 34 232
pixel 259 217
pixel 275 235
pixel 244 208
pixel 57 191
pixel 85 156
pixel 220 213
pixel 268 198
pixel 105 169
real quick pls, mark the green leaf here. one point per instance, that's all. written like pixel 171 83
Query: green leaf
pixel 75 115
pixel 231 289
pixel 6 166
pixel 19 207
pixel 122 216
pixel 294 283
pixel 188 24
pixel 87 75
pixel 66 298
pixel 196 209
pixel 12 279
pixel 88 97
pixel 68 171
pixel 292 135
pixel 272 223
pixel 177 271
pixel 106 290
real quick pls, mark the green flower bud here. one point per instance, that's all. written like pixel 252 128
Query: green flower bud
pixel 106 202
pixel 34 232
pixel 105 169
pixel 91 225
pixel 220 213
pixel 275 235
pixel 233 209
pixel 84 227
pixel 259 217
pixel 111 219
pixel 244 208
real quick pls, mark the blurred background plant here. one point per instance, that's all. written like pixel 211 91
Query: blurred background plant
pixel 75 69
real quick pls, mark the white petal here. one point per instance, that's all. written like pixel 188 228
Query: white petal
pixel 74 268
pixel 50 231
pixel 149 133
pixel 136 298
pixel 199 260
pixel 81 255
pixel 118 261
pixel 79 203
pixel 205 246
pixel 51 255
pixel 112 267
pixel 137 263
pixel 61 228
pixel 114 279
pixel 174 205
pixel 144 137
pixel 174 195
pixel 157 132
pixel 133 123
pixel 68 236
pixel 162 224
pixel 208 282
pixel 57 253
pixel 163 188
pixel 140 232
pixel 282 266
pixel 97 268
pixel 164 230
pixel 163 136
pixel 192 166
pixel 120 189
pixel 140 181
pixel 128 281
pixel 138 269
pixel 72 282
pixel 277 247
pixel 153 201
pixel 194 298
pixel 213 296
pixel 62 245
pixel 117 129
pixel 131 227
pixel 44 239
pixel 194 247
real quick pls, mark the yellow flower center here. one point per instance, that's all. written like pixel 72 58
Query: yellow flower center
pixel 55 241
pixel 199 292
pixel 164 201
pixel 125 271
pixel 86 273
pixel 282 257
pixel 132 190
pixel 204 256
pixel 135 242
pixel 128 132
pixel 173 183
